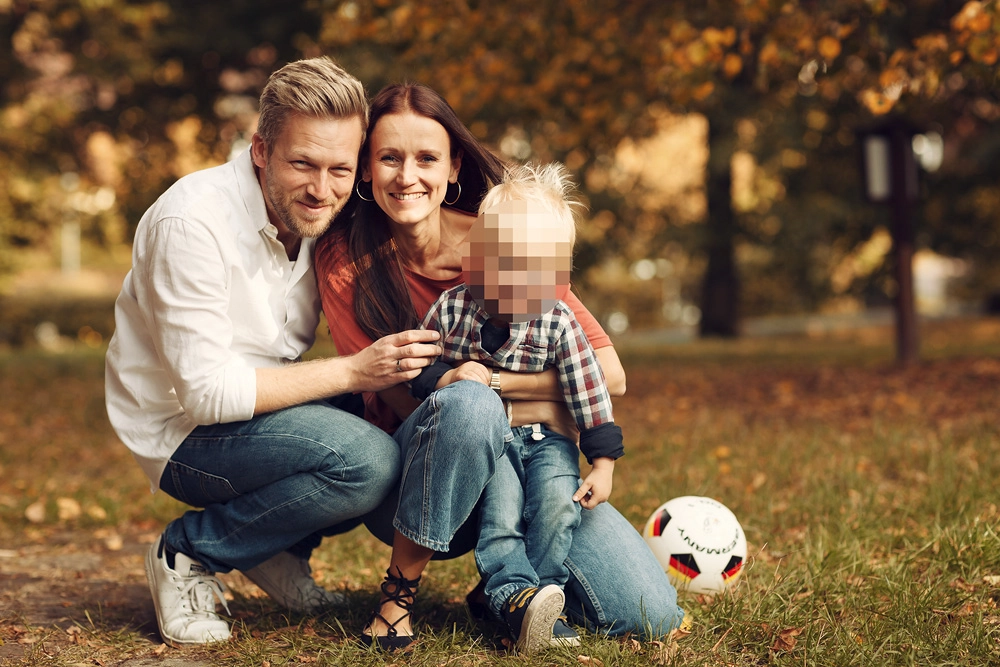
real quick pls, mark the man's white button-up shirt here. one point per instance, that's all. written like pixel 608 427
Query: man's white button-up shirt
pixel 211 296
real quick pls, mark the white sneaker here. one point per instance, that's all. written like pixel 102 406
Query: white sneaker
pixel 288 580
pixel 184 598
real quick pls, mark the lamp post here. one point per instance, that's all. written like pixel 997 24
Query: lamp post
pixel 69 234
pixel 890 175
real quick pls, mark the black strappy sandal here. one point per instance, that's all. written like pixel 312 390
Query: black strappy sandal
pixel 402 592
pixel 476 602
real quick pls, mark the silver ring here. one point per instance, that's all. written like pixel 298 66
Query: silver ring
pixel 398 369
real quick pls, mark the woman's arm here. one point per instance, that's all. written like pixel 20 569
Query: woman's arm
pixel 614 372
pixel 544 386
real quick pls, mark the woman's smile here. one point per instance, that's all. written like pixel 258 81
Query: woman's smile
pixel 408 196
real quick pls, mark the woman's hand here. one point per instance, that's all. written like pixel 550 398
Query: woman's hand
pixel 467 370
pixel 596 488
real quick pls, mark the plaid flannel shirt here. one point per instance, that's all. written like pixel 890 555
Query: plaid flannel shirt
pixel 553 340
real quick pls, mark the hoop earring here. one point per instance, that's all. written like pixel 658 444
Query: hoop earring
pixel 457 197
pixel 357 189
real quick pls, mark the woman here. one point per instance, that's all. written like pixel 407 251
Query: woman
pixel 422 171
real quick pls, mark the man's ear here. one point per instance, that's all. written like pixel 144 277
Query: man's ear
pixel 258 151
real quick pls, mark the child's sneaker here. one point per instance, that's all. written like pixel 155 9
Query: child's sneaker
pixel 530 614
pixel 563 634
pixel 184 598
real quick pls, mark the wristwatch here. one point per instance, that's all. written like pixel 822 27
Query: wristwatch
pixel 495 381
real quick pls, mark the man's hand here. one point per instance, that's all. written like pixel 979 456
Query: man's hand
pixel 596 488
pixel 383 364
pixel 393 359
pixel 467 370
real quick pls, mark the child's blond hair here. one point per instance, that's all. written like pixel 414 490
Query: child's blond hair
pixel 549 185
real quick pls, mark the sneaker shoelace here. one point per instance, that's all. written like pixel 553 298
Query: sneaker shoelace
pixel 200 592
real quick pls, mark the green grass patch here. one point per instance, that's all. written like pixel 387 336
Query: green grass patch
pixel 867 493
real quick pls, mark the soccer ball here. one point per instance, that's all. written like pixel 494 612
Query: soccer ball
pixel 699 543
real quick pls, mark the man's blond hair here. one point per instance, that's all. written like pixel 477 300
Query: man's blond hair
pixel 549 185
pixel 315 87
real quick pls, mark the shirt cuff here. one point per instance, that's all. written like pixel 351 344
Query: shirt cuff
pixel 425 383
pixel 239 396
pixel 601 441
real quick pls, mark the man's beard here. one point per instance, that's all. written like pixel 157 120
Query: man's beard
pixel 282 204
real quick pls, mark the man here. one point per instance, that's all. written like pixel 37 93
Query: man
pixel 203 378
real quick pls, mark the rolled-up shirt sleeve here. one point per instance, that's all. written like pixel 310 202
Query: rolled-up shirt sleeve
pixel 186 297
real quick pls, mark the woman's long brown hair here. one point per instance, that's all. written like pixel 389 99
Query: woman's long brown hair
pixel 382 302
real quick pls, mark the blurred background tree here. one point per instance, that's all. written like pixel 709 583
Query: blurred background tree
pixel 715 142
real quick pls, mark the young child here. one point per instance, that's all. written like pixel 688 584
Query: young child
pixel 509 315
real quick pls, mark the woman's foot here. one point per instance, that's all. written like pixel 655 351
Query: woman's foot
pixel 390 627
pixel 476 602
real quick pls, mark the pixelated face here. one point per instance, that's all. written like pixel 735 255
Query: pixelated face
pixel 517 261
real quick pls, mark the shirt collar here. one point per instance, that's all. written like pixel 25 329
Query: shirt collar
pixel 250 192
pixel 253 199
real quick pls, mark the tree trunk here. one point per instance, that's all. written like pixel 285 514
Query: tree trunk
pixel 720 297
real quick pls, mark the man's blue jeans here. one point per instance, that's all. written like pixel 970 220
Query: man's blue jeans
pixel 450 446
pixel 528 516
pixel 279 481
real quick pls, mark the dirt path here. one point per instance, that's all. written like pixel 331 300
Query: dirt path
pixel 52 597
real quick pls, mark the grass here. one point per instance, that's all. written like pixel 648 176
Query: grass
pixel 867 493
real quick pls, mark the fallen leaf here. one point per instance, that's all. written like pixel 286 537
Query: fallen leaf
pixel 159 649
pixel 587 660
pixel 664 654
pixel 114 542
pixel 992 579
pixel 35 512
pixel 962 585
pixel 722 452
pixel 68 509
pixel 786 639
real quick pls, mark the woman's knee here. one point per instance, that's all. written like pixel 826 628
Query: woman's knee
pixel 468 400
pixel 470 414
